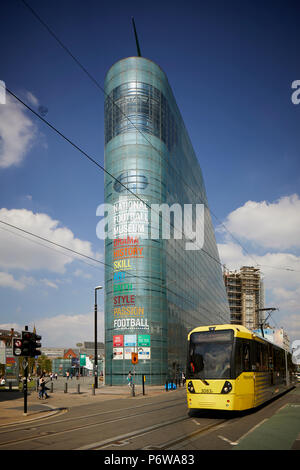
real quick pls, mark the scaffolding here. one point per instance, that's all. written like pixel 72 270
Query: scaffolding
pixel 245 296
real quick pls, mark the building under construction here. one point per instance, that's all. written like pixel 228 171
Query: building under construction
pixel 245 293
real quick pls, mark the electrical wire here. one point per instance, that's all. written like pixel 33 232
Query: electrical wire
pixel 92 160
pixel 90 76
pixel 95 260
pixel 98 85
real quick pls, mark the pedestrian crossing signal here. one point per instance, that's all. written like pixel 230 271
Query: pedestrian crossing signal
pixel 134 358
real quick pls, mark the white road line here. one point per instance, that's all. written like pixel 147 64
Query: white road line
pixel 227 440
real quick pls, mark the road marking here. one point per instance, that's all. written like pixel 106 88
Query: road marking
pixel 196 422
pixel 227 440
pixel 235 443
pixel 251 430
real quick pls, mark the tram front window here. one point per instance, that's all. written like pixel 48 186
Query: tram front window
pixel 210 354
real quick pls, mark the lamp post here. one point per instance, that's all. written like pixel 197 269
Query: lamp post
pixel 96 351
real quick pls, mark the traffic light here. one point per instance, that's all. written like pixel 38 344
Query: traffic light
pixel 35 345
pixel 30 343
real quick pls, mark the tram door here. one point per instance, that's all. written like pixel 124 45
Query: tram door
pixel 245 380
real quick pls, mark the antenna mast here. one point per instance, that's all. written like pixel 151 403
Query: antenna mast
pixel 136 39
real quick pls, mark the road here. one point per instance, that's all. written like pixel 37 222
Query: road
pixel 160 422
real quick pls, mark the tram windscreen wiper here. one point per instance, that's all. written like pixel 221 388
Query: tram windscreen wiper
pixel 204 381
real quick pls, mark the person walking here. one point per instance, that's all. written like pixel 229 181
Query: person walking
pixel 129 379
pixel 43 388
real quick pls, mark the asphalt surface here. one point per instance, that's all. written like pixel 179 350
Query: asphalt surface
pixel 281 430
pixel 12 402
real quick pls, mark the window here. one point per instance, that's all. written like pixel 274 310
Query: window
pixel 242 357
pixel 210 355
pixel 139 106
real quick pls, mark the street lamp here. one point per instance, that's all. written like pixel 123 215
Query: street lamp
pixel 96 352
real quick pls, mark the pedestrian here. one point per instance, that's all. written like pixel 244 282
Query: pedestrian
pixel 55 375
pixel 43 388
pixel 183 378
pixel 129 379
pixel 68 375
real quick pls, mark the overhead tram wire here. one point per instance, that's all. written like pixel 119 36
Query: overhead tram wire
pixel 45 246
pixel 93 259
pixel 67 50
pixel 92 160
pixel 100 166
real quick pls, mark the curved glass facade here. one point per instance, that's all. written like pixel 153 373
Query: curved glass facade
pixel 155 290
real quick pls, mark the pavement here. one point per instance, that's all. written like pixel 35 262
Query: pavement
pixel 12 402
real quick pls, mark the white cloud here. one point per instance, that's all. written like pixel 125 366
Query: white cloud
pixel 273 230
pixel 48 283
pixel 17 252
pixel 281 285
pixel 80 273
pixel 17 133
pixel 64 330
pixel 32 99
pixel 271 225
pixel 7 280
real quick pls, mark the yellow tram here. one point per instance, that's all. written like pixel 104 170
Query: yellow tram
pixel 231 368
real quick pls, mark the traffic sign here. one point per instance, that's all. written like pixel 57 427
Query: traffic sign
pixel 17 347
pixel 134 358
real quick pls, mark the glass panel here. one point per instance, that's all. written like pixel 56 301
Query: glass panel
pixel 210 355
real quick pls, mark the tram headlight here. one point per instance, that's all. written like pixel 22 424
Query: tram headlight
pixel 227 387
pixel 191 387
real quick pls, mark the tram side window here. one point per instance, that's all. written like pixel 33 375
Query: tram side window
pixel 264 358
pixel 260 357
pixel 246 354
pixel 279 360
pixel 242 358
pixel 238 359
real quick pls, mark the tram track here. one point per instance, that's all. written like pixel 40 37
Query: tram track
pixel 19 426
pixel 125 439
pixel 161 406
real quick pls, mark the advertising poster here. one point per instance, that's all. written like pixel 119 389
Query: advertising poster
pixel 144 353
pixel 118 341
pixel 143 340
pixel 127 352
pixel 117 353
pixel 130 340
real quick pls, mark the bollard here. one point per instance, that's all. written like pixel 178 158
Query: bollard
pixel 66 388
pixel 133 390
pixel 10 386
pixel 78 388
pixel 93 389
pixel 143 383
pixel 51 387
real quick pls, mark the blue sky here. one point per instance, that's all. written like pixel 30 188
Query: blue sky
pixel 230 65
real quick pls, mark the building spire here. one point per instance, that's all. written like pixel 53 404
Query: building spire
pixel 136 39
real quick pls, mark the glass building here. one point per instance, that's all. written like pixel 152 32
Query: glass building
pixel 157 286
